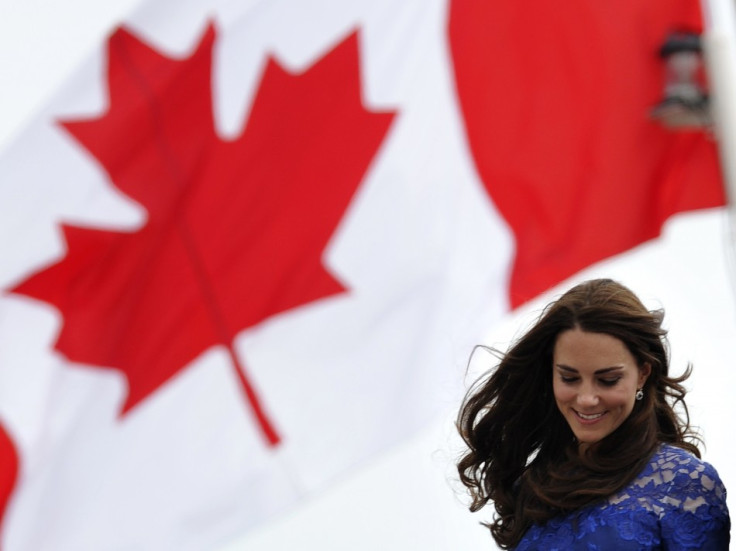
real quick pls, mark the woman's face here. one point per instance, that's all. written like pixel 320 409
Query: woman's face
pixel 595 380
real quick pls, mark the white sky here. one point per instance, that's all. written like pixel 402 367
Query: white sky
pixel 403 500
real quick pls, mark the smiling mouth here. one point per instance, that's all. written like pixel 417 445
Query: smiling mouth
pixel 589 417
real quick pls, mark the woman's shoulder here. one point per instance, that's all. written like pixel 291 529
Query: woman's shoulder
pixel 688 497
pixel 682 479
pixel 673 463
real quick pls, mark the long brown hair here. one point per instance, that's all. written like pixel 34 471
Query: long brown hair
pixel 522 454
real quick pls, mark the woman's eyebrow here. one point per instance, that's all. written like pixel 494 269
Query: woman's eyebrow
pixel 609 369
pixel 564 367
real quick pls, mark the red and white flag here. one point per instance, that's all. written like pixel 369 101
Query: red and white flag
pixel 249 246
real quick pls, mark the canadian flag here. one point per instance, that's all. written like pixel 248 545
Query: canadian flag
pixel 249 246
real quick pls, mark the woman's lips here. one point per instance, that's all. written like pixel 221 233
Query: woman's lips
pixel 589 418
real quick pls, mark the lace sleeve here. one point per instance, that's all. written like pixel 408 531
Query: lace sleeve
pixel 677 502
pixel 695 515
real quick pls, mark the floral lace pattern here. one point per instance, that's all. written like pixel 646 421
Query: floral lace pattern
pixel 677 502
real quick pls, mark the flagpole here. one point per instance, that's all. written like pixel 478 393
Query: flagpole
pixel 719 44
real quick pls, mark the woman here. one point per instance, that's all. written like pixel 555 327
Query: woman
pixel 575 440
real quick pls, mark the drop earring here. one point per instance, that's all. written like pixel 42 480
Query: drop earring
pixel 639 394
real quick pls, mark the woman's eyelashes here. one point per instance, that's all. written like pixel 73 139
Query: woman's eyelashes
pixel 609 381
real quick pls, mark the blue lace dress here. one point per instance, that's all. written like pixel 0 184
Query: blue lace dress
pixel 677 502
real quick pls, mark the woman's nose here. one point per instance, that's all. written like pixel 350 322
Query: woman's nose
pixel 587 397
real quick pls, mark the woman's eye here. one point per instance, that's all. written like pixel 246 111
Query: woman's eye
pixel 566 379
pixel 610 382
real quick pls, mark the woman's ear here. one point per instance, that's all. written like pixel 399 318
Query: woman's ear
pixel 645 370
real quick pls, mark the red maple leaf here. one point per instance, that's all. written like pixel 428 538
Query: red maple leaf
pixel 235 229
pixel 556 99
